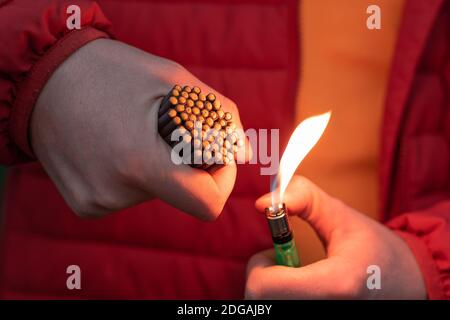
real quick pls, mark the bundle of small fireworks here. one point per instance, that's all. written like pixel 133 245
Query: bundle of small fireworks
pixel 189 116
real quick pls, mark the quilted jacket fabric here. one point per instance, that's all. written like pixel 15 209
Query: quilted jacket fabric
pixel 250 54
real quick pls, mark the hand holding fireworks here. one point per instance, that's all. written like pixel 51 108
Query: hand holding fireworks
pixel 353 242
pixel 95 131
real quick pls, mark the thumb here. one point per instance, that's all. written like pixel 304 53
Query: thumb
pixel 304 199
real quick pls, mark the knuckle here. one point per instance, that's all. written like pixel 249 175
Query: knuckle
pixel 252 263
pixel 175 66
pixel 85 213
pixel 232 106
pixel 85 205
pixel 253 287
pixel 175 70
pixel 83 208
pixel 129 168
pixel 302 182
pixel 251 292
pixel 211 207
pixel 170 72
pixel 106 201
pixel 211 211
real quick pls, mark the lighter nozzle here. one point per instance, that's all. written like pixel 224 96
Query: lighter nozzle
pixel 277 218
pixel 275 211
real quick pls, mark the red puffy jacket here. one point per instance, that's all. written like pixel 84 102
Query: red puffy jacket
pixel 155 251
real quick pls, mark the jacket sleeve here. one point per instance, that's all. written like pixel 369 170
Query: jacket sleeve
pixel 35 40
pixel 427 233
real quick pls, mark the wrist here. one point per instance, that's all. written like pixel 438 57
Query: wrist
pixel 414 281
pixel 31 87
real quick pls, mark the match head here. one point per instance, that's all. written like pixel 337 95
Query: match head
pixel 211 97
pixel 206 127
pixel 218 157
pixel 198 125
pixel 196 90
pixel 209 121
pixel 219 140
pixel 176 120
pixel 187 138
pixel 189 125
pixel 217 105
pixel 180 108
pixel 224 151
pixel 182 130
pixel 190 103
pixel 199 104
pixel 184 94
pixel 208 105
pixel 196 133
pixel 205 113
pixel 184 116
pixel 193 96
pixel 197 144
pixel 172 113
pixel 213 115
pixel 206 145
pixel 173 101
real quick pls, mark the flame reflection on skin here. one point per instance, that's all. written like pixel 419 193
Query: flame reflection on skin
pixel 302 140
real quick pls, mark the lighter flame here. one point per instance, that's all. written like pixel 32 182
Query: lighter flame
pixel 304 138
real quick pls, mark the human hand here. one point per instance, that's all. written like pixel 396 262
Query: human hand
pixel 94 130
pixel 353 242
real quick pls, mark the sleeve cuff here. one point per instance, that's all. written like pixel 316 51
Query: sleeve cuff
pixel 30 88
pixel 426 264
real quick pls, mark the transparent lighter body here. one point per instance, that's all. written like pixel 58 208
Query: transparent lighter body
pixel 286 254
